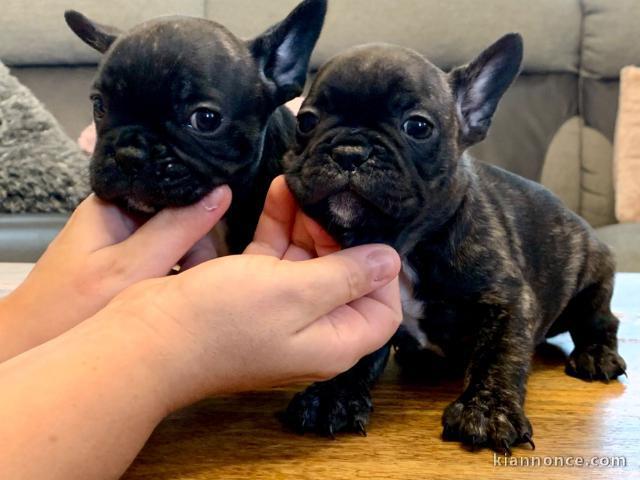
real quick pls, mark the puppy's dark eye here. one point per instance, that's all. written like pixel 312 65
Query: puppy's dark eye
pixel 307 121
pixel 98 107
pixel 205 120
pixel 418 127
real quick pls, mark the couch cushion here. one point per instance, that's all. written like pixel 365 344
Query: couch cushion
pixel 599 104
pixel 597 200
pixel 562 165
pixel 64 91
pixel 40 36
pixel 449 33
pixel 528 118
pixel 611 36
pixel 623 239
pixel 23 238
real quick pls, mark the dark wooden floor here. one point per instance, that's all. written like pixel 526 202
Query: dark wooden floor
pixel 239 437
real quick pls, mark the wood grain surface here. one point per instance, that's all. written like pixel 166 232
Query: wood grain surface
pixel 238 437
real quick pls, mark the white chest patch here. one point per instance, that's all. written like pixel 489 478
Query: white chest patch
pixel 140 207
pixel 413 309
pixel 345 208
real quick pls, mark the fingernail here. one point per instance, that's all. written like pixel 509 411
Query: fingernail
pixel 212 201
pixel 383 264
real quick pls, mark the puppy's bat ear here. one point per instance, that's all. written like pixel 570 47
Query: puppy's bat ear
pixel 283 52
pixel 479 86
pixel 99 37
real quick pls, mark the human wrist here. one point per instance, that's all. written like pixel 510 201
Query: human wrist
pixel 143 358
pixel 106 373
pixel 16 332
pixel 160 347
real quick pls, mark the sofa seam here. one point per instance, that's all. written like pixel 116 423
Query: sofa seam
pixel 580 99
pixel 205 9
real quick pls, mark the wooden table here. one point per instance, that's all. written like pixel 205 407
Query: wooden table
pixel 238 436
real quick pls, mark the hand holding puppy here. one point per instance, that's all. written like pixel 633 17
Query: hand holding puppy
pixel 274 315
pixel 101 251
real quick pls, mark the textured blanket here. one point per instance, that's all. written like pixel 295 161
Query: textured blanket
pixel 41 169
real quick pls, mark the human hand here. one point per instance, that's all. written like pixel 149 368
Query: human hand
pixel 100 252
pixel 272 316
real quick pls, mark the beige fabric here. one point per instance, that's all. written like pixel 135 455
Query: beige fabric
pixel 596 179
pixel 450 33
pixel 528 117
pixel 578 169
pixel 627 147
pixel 599 104
pixel 35 33
pixel 623 238
pixel 64 91
pixel 611 36
pixel 561 171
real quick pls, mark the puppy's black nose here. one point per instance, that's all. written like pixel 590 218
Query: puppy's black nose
pixel 131 150
pixel 131 159
pixel 350 157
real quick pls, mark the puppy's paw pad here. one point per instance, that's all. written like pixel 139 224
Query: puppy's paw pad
pixel 596 362
pixel 327 409
pixel 301 414
pixel 477 424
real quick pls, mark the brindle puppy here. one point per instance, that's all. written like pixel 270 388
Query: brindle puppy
pixel 493 263
pixel 182 105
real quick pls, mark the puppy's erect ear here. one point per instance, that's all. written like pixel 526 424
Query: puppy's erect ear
pixel 99 37
pixel 479 86
pixel 283 52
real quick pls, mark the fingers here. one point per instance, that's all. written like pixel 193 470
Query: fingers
pixel 96 224
pixel 310 237
pixel 323 243
pixel 328 282
pixel 160 243
pixel 285 232
pixel 201 252
pixel 273 233
pixel 339 339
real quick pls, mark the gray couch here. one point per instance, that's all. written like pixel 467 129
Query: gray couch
pixel 556 125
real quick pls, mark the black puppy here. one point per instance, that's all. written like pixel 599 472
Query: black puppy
pixel 493 263
pixel 181 106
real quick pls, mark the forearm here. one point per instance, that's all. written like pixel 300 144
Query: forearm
pixel 30 316
pixel 16 332
pixel 83 403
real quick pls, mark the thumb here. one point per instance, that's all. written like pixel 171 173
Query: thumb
pixel 345 276
pixel 165 238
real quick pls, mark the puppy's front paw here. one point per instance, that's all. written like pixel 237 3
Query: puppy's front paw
pixel 494 423
pixel 596 362
pixel 329 407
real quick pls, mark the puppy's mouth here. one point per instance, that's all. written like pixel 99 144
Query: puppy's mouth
pixel 150 187
pixel 346 208
pixel 170 172
pixel 350 206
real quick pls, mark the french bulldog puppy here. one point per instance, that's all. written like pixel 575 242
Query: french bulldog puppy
pixel 493 263
pixel 181 106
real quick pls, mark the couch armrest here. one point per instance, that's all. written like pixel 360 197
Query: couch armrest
pixel 623 238
pixel 24 237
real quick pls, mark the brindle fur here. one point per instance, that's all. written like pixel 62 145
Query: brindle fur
pixel 501 263
pixel 153 77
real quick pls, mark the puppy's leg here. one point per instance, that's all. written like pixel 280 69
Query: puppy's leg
pixel 418 363
pixel 594 331
pixel 343 403
pixel 490 410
